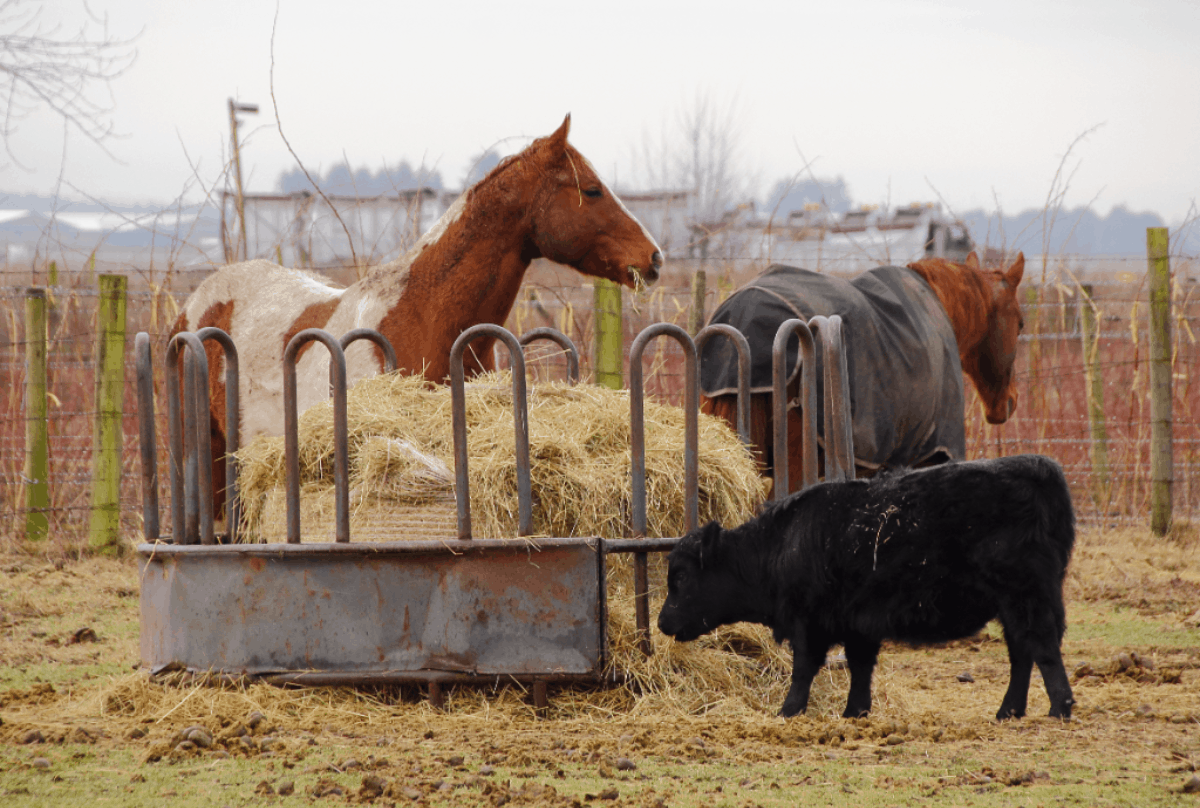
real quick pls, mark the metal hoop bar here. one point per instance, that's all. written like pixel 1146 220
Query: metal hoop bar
pixel 191 480
pixel 147 436
pixel 743 383
pixel 341 461
pixel 637 434
pixel 839 436
pixel 380 341
pixel 563 341
pixel 233 411
pixel 808 404
pixel 458 398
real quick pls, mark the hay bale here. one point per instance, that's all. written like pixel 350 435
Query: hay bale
pixel 401 460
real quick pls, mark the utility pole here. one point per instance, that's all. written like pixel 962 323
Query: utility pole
pixel 239 200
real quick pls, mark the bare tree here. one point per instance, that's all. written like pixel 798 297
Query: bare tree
pixel 68 72
pixel 701 153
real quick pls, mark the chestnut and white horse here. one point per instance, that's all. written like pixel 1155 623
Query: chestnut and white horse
pixel 546 201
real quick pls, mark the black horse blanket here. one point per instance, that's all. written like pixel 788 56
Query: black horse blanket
pixel 906 384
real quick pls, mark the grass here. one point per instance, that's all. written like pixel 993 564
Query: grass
pixel 109 735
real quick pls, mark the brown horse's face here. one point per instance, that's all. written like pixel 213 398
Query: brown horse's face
pixel 992 372
pixel 579 222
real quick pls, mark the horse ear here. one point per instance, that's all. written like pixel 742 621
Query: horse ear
pixel 1016 271
pixel 972 260
pixel 560 135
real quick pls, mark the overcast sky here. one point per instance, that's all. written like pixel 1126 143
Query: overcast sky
pixel 974 102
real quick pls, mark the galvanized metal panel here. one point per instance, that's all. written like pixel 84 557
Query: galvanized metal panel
pixel 482 607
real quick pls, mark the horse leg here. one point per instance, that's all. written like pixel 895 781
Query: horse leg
pixel 216 438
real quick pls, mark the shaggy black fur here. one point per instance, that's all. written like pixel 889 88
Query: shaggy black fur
pixel 920 556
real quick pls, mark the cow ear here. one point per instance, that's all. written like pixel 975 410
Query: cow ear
pixel 710 535
pixel 972 260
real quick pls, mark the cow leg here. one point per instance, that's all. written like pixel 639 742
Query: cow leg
pixel 808 655
pixel 1033 631
pixel 1058 686
pixel 1020 662
pixel 861 655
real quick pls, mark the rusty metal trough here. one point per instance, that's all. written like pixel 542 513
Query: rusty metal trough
pixel 459 610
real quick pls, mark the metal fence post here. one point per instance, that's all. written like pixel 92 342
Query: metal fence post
pixel 108 434
pixel 1161 471
pixel 37 451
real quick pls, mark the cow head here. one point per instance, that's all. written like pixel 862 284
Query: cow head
pixel 699 591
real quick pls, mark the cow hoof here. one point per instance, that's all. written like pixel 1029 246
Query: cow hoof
pixel 1007 713
pixel 1063 711
pixel 790 710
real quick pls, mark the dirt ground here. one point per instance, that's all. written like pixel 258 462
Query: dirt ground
pixel 80 724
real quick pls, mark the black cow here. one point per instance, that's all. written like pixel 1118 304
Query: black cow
pixel 919 556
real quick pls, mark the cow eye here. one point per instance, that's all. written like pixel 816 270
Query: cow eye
pixel 593 193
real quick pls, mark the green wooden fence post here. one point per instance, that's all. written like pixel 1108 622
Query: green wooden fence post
pixel 609 334
pixel 1161 461
pixel 104 534
pixel 37 442
pixel 1089 330
pixel 696 319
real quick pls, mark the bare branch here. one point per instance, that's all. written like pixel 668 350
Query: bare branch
pixel 69 73
pixel 296 157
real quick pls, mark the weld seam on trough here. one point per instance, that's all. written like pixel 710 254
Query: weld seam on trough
pixel 421 546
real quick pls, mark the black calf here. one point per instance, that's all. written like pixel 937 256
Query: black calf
pixel 921 557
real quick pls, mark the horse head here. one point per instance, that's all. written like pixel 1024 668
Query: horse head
pixel 578 221
pixel 990 366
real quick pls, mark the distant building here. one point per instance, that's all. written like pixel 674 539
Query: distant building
pixel 667 215
pixel 303 229
pixel 816 238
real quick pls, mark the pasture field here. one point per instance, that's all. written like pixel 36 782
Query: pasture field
pixel 81 726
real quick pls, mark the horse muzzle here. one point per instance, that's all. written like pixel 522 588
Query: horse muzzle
pixel 1010 406
pixel 647 276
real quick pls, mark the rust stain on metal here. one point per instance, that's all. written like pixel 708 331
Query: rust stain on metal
pixel 452 662
pixel 257 563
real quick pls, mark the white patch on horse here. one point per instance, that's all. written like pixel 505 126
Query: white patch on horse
pixel 452 214
pixel 627 212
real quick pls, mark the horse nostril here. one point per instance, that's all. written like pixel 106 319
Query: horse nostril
pixel 656 261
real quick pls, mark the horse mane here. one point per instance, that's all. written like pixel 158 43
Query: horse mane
pixel 965 292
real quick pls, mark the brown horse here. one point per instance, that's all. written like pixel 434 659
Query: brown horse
pixel 979 318
pixel 547 201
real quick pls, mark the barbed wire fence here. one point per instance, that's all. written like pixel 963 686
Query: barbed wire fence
pixel 1087 408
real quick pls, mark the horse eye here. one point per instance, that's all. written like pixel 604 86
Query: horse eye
pixel 592 193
